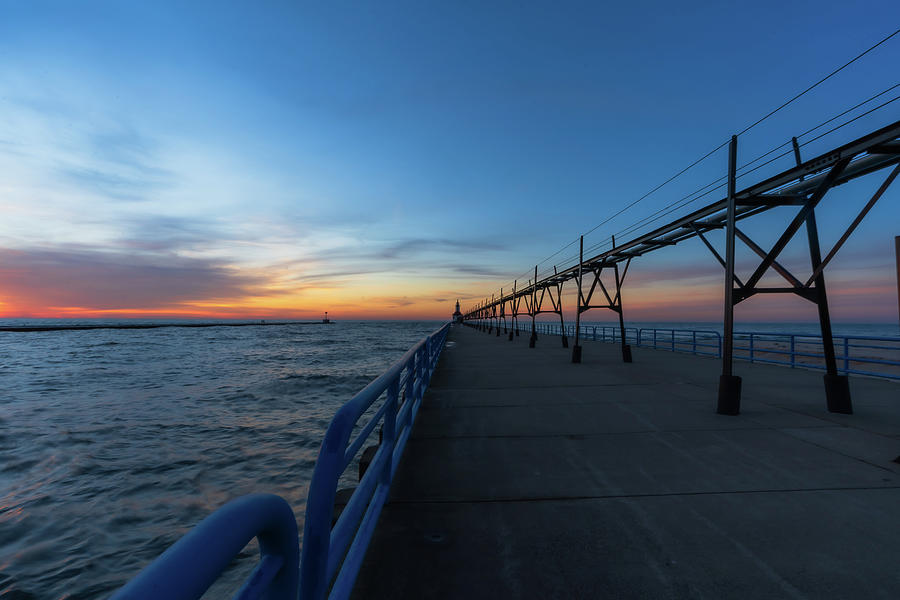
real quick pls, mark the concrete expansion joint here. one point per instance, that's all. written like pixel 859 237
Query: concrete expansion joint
pixel 603 434
pixel 844 454
pixel 561 386
pixel 638 496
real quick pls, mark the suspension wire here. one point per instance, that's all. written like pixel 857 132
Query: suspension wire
pixel 851 109
pixel 684 201
pixel 818 83
pixel 833 129
pixel 655 189
pixel 670 179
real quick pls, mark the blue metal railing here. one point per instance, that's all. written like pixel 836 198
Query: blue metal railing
pixel 187 569
pixel 857 355
pixel 325 548
pixel 332 555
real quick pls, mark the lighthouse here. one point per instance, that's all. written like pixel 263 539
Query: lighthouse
pixel 457 316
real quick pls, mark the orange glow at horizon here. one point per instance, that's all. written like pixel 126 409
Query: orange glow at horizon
pixel 392 297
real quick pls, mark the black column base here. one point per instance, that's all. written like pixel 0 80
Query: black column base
pixel 837 394
pixel 510 336
pixel 626 353
pixel 531 341
pixel 565 341
pixel 517 333
pixel 498 332
pixel 576 353
pixel 729 395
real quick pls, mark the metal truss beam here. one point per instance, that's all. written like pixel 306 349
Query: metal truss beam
pixel 804 185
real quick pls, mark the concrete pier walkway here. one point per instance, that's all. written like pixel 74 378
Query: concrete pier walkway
pixel 529 477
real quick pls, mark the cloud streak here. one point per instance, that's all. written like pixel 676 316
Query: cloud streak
pixel 45 279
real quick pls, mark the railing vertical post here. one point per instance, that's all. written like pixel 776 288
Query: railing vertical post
pixel 595 334
pixel 389 430
pixel 846 355
pixel 751 347
pixel 729 401
pixel 694 345
pixel 793 351
pixel 421 374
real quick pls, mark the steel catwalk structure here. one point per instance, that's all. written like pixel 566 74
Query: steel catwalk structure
pixel 804 186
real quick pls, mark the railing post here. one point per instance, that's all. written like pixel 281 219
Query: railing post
pixel 793 351
pixel 846 355
pixel 751 347
pixel 421 372
pixel 389 431
pixel 694 344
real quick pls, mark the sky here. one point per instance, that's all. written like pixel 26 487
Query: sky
pixel 382 160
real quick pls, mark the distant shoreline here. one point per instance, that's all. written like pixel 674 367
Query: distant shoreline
pixel 27 328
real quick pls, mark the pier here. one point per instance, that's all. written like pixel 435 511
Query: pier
pixel 528 476
pixel 504 466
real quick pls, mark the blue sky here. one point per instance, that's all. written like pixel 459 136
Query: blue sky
pixel 383 159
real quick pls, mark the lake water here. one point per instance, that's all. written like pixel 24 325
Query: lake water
pixel 113 443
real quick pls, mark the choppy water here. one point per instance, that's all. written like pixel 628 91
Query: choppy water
pixel 115 442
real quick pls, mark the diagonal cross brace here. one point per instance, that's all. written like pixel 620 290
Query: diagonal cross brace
pixel 884 186
pixel 820 192
pixel 762 254
pixel 715 253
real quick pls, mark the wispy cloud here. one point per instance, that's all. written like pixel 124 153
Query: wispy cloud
pixel 166 234
pixel 78 147
pixel 414 247
pixel 41 279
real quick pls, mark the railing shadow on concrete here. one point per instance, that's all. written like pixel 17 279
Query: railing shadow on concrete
pixel 332 553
